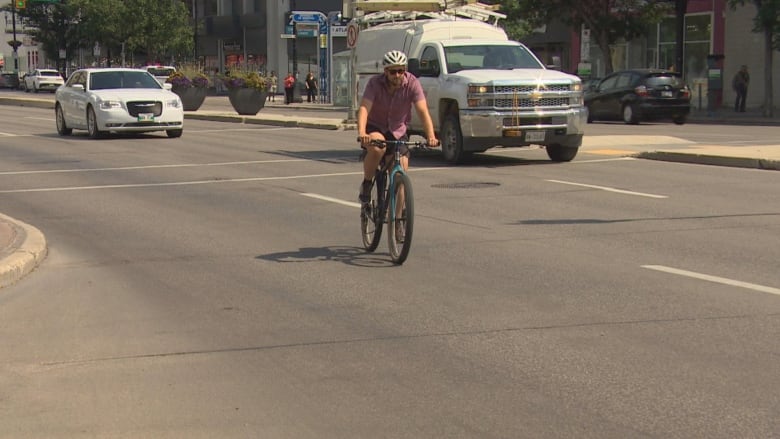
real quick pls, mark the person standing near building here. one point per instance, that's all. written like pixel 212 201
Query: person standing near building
pixel 740 86
pixel 289 86
pixel 311 88
pixel 272 80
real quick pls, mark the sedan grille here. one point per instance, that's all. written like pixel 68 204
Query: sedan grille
pixel 144 107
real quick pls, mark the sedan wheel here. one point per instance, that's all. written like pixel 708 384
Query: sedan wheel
pixel 62 129
pixel 174 133
pixel 92 125
pixel 629 115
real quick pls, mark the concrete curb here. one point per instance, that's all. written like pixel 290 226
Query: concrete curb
pixel 29 250
pixel 272 121
pixel 715 160
pixel 24 102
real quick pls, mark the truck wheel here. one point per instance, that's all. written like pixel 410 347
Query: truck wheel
pixel 452 140
pixel 560 153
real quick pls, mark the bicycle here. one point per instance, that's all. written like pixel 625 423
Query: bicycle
pixel 391 203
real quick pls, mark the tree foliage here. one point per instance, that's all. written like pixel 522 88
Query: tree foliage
pixel 153 29
pixel 609 21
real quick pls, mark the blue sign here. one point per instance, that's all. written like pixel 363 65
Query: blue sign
pixel 306 18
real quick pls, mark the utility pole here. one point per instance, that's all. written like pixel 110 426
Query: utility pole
pixel 680 7
pixel 13 27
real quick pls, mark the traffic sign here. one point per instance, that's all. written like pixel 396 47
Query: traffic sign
pixel 352 35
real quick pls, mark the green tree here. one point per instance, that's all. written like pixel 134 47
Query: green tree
pixel 154 29
pixel 609 21
pixel 766 22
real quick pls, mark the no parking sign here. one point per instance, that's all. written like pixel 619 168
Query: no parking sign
pixel 352 35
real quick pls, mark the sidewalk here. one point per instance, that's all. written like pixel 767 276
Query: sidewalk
pixel 22 246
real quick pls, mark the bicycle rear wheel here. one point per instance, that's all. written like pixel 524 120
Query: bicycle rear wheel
pixel 399 232
pixel 371 218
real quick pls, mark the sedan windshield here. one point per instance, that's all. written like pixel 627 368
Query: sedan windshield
pixel 112 80
pixel 489 57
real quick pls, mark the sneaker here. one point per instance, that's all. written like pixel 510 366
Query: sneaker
pixel 365 191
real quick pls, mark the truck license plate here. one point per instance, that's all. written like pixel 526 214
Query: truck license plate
pixel 534 136
pixel 146 117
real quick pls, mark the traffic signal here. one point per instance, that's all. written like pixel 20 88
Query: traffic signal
pixel 20 4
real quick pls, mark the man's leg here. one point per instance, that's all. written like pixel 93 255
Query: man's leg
pixel 373 156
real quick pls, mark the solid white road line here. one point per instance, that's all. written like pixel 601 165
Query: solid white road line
pixel 608 189
pixel 716 279
pixel 331 199
pixel 189 183
pixel 181 165
pixel 175 183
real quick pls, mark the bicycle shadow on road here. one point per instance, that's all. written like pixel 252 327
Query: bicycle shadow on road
pixel 355 256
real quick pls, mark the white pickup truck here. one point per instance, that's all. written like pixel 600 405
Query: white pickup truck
pixel 483 90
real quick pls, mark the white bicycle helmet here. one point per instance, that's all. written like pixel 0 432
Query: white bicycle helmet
pixel 394 58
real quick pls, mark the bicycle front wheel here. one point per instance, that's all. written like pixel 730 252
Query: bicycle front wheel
pixel 371 218
pixel 401 224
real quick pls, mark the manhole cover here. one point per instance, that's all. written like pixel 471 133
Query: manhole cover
pixel 467 185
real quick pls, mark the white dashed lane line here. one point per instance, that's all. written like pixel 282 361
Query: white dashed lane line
pixel 716 279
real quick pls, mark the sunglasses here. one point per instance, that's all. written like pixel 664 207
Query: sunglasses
pixel 396 71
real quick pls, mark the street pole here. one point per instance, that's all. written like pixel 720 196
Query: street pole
pixel 681 7
pixel 13 26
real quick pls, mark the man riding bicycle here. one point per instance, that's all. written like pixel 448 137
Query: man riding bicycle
pixel 385 112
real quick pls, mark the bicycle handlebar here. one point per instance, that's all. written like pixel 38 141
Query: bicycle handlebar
pixel 421 145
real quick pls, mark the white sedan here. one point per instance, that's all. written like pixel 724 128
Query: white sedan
pixel 117 99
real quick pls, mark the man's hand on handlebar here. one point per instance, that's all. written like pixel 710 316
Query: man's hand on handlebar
pixel 364 139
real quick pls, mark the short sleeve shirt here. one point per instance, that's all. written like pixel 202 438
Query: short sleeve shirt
pixel 392 112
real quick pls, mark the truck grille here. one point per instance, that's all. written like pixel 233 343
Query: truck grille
pixel 139 107
pixel 530 103
pixel 511 89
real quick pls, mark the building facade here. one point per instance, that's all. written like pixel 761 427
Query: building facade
pixel 717 41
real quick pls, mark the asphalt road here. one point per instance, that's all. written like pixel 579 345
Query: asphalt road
pixel 215 286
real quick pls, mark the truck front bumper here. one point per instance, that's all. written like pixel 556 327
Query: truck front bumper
pixel 486 128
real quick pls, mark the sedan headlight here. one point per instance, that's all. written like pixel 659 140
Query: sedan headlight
pixel 107 105
pixel 173 103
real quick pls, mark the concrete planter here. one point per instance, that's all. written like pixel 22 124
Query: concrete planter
pixel 191 97
pixel 247 101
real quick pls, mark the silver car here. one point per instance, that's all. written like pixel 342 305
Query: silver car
pixel 117 99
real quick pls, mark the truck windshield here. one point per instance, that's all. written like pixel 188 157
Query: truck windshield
pixel 489 57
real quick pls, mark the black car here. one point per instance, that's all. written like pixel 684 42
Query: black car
pixel 639 95
pixel 9 80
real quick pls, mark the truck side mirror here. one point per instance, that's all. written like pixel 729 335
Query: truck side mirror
pixel 414 67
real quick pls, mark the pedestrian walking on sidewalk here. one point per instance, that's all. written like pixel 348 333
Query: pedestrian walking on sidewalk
pixel 272 86
pixel 289 86
pixel 740 86
pixel 311 88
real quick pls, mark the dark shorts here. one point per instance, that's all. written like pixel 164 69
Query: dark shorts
pixel 388 136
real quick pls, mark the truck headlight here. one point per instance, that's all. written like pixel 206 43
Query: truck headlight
pixel 577 86
pixel 480 89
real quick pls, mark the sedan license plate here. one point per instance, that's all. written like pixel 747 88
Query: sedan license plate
pixel 534 136
pixel 666 94
pixel 146 117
